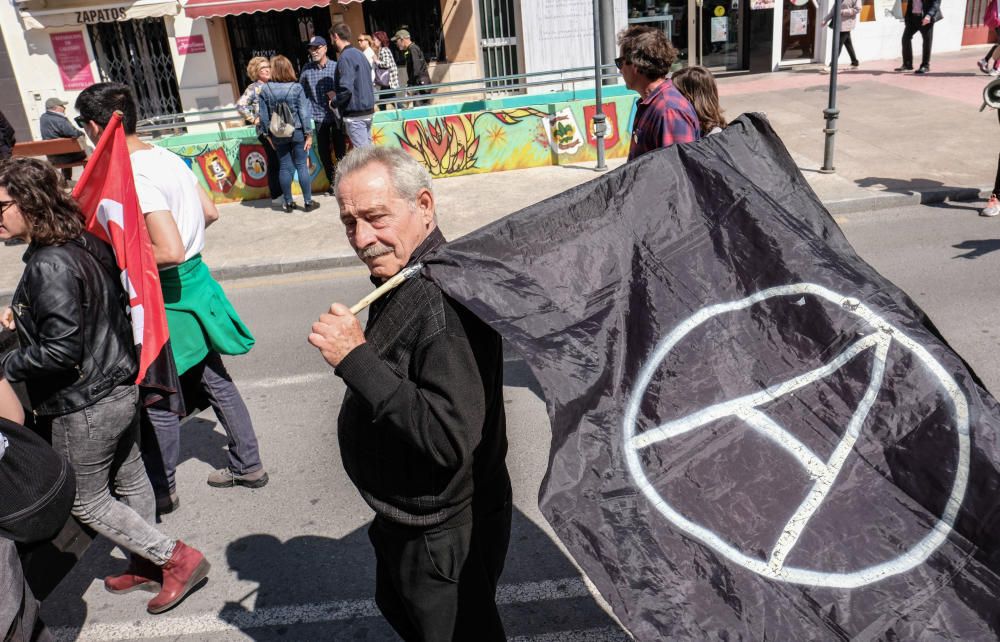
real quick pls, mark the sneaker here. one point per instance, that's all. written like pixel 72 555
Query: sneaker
pixel 992 207
pixel 168 504
pixel 855 64
pixel 288 207
pixel 924 69
pixel 825 69
pixel 903 68
pixel 310 206
pixel 225 478
pixel 983 66
pixel 995 72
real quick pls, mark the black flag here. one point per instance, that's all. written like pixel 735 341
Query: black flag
pixel 754 434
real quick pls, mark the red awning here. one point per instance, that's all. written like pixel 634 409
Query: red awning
pixel 216 8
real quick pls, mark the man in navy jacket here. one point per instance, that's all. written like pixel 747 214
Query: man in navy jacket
pixel 352 84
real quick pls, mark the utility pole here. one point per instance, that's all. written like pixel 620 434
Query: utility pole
pixel 599 125
pixel 831 113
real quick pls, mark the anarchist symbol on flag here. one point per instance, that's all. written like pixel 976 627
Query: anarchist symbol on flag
pixel 754 434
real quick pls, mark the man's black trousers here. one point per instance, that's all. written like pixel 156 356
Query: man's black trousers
pixel 330 135
pixel 927 35
pixel 440 584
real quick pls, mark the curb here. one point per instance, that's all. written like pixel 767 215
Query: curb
pixel 862 205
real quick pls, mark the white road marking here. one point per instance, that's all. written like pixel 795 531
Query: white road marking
pixel 586 635
pixel 292 380
pixel 207 623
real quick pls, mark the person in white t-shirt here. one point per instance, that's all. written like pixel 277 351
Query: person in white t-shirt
pixel 202 322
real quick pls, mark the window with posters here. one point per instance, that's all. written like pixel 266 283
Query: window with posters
pixel 798 30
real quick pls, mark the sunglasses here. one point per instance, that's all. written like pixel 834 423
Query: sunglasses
pixel 619 61
pixel 4 206
pixel 80 121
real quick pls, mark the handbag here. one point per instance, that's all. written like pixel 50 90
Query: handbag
pixel 37 486
pixel 382 78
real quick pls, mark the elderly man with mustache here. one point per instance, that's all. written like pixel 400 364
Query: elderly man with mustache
pixel 422 428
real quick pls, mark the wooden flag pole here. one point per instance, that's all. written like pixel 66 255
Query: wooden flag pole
pixel 392 283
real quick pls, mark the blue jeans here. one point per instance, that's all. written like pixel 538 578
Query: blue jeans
pixel 244 455
pixel 101 442
pixel 292 158
pixel 359 130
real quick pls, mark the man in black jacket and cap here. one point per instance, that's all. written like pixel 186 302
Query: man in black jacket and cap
pixel 417 74
pixel 422 428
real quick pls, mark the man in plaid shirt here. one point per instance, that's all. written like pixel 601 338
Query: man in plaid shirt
pixel 663 116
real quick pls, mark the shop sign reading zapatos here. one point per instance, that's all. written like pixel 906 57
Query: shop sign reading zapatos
pixel 71 13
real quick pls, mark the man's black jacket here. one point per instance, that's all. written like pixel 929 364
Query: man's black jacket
pixel 422 430
pixel 416 67
pixel 76 340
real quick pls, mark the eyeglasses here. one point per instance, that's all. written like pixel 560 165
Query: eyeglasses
pixel 619 61
pixel 80 121
pixel 4 206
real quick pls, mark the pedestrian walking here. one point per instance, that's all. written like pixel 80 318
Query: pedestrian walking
pixel 352 85
pixel 259 72
pixel 284 98
pixel 849 10
pixel 386 71
pixel 663 116
pixel 202 322
pixel 417 74
pixel 422 428
pixel 697 84
pixel 317 82
pixel 78 363
pixel 920 16
pixel 54 124
pixel 990 63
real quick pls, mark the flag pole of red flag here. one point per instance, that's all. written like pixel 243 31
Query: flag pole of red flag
pixel 106 194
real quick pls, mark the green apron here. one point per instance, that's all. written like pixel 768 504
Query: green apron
pixel 200 317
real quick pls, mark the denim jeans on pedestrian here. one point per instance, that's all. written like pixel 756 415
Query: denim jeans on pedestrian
pixel 292 158
pixel 101 442
pixel 359 130
pixel 211 377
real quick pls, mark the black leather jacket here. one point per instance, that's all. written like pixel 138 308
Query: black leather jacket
pixel 75 339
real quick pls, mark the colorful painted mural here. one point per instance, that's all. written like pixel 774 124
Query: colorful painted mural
pixel 449 140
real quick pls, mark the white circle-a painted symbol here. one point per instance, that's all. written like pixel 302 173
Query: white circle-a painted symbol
pixel 256 165
pixel 823 473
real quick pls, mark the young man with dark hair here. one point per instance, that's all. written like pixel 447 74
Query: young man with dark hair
pixel 663 116
pixel 203 324
pixel 353 88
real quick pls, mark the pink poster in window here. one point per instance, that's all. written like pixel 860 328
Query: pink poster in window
pixel 71 56
pixel 190 44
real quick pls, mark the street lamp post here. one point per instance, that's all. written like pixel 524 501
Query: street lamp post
pixel 599 125
pixel 831 113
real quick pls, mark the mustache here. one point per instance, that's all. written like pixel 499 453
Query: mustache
pixel 373 251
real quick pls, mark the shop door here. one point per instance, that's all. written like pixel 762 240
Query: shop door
pixel 275 32
pixel 798 30
pixel 715 33
pixel 136 53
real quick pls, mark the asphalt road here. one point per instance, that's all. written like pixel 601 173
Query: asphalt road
pixel 292 561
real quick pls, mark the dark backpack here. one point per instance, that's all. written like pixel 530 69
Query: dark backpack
pixel 37 486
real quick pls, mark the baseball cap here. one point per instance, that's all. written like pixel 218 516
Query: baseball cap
pixel 402 33
pixel 317 41
pixel 55 102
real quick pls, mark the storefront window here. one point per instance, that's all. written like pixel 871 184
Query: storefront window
pixel 422 18
pixel 274 32
pixel 671 16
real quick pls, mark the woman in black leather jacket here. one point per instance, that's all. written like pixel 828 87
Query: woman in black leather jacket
pixel 78 362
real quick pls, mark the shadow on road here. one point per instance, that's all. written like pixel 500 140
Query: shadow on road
pixel 929 190
pixel 324 588
pixel 977 248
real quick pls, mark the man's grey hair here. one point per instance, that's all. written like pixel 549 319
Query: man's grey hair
pixel 407 175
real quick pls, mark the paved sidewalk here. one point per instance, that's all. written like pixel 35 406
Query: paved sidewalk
pixel 901 139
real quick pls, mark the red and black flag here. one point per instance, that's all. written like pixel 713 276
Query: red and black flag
pixel 755 435
pixel 106 194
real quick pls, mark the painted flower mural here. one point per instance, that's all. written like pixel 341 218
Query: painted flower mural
pixel 450 145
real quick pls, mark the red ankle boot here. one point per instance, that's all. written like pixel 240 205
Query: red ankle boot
pixel 141 575
pixel 185 569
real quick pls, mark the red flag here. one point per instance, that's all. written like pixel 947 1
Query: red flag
pixel 106 194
